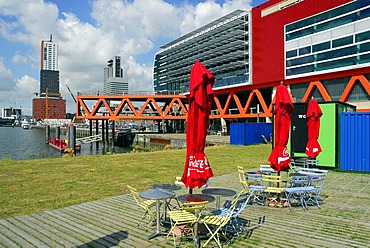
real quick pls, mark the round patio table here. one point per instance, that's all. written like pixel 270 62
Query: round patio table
pixel 165 186
pixel 218 192
pixel 195 198
pixel 157 194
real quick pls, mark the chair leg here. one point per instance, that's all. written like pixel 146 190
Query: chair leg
pixel 173 233
pixel 214 236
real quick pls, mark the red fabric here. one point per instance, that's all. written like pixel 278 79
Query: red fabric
pixel 313 115
pixel 197 170
pixel 279 158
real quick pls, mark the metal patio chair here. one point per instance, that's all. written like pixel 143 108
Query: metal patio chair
pixel 274 189
pixel 185 219
pixel 316 181
pixel 254 190
pixel 215 224
pixel 146 205
pixel 297 190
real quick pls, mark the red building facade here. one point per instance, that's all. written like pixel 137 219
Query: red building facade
pixel 315 46
pixel 49 108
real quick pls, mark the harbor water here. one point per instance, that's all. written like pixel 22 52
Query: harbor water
pixel 19 144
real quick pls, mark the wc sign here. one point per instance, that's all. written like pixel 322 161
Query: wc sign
pixel 301 116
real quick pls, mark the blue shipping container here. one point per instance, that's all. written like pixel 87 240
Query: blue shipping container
pixel 249 133
pixel 355 141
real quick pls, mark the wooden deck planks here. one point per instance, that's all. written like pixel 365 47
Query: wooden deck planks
pixel 114 222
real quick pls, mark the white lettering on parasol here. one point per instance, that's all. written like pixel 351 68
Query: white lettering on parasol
pixel 285 156
pixel 199 165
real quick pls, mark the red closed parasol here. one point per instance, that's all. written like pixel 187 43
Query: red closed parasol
pixel 197 169
pixel 279 158
pixel 313 115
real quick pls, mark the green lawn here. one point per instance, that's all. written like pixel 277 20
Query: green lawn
pixel 30 186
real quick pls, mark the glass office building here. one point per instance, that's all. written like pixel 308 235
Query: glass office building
pixel 222 46
pixel 307 44
pixel 337 38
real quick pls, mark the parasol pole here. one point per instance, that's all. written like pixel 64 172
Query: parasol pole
pixel 278 184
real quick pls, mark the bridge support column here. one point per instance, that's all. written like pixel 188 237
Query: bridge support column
pixel 47 134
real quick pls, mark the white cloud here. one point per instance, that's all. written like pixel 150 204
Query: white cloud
pixel 19 59
pixel 205 12
pixel 131 29
pixel 7 82
pixel 16 92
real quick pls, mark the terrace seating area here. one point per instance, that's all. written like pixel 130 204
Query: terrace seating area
pixel 300 185
pixel 342 221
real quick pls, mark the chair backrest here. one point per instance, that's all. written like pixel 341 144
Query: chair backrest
pixel 299 181
pixel 134 193
pixel 254 178
pixel 311 162
pixel 233 208
pixel 266 168
pixel 272 181
pixel 179 182
pixel 240 206
pixel 317 180
pixel 311 171
pixel 241 175
pixel 194 206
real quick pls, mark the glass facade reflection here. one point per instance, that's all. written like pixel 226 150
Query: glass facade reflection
pixel 222 46
pixel 338 38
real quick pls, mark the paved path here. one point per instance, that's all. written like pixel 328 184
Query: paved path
pixel 212 139
pixel 343 221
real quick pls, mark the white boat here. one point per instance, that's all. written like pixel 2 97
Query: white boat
pixel 25 124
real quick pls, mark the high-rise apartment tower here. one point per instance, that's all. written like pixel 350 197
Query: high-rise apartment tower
pixel 114 81
pixel 50 104
pixel 49 73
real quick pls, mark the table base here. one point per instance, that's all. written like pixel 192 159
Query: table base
pixel 156 234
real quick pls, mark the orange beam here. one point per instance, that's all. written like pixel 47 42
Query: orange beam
pixel 320 88
pixel 174 107
pixel 351 84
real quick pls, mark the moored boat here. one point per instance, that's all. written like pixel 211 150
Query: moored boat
pixel 4 122
pixel 25 124
pixel 60 145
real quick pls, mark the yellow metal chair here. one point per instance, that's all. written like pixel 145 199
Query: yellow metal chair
pixel 185 218
pixel 274 189
pixel 253 190
pixel 179 182
pixel 218 222
pixel 242 178
pixel 144 204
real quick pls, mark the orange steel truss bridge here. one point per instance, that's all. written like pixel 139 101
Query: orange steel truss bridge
pixel 174 107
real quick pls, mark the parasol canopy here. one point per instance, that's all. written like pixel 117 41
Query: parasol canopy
pixel 313 115
pixel 197 169
pixel 279 158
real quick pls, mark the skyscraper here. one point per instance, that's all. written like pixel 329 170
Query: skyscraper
pixel 49 73
pixel 50 104
pixel 114 81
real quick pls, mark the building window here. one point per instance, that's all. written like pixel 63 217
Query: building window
pixel 342 41
pixel 342 33
pixel 321 46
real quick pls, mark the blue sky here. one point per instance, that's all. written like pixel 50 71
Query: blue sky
pixel 90 32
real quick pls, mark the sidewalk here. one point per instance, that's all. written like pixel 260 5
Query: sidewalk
pixel 211 139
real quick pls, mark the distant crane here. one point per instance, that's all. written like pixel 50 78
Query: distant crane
pixel 74 98
pixel 71 93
